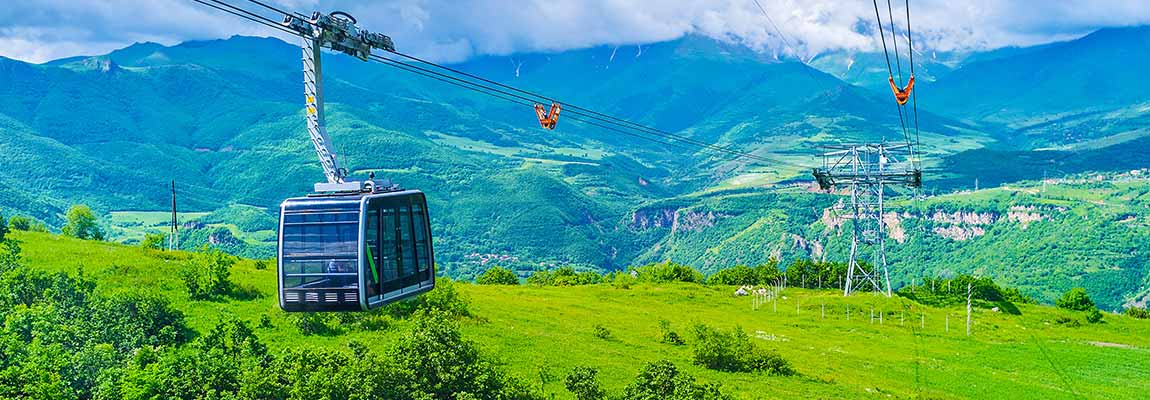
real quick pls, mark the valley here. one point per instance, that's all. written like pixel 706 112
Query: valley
pixel 222 118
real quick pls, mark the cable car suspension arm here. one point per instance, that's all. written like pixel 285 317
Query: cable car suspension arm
pixel 338 32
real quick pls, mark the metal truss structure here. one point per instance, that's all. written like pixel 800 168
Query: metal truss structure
pixel 867 169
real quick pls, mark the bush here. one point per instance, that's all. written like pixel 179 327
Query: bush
pixel 82 224
pixel 1094 316
pixel 1067 321
pixel 583 382
pixel 564 276
pixel 662 380
pixel 154 241
pixel 316 324
pixel 444 298
pixel 261 265
pixel 669 336
pixel 208 274
pixel 20 223
pixel 1138 313
pixel 621 280
pixel 602 332
pixel 737 276
pixel 668 271
pixel 498 276
pixel 9 255
pixel 444 365
pixel 1076 300
pixel 734 352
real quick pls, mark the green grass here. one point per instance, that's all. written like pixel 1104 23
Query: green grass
pixel 552 329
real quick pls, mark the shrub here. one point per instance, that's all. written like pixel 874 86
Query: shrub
pixel 444 298
pixel 737 276
pixel 154 241
pixel 1094 316
pixel 20 223
pixel 498 276
pixel 668 271
pixel 1138 313
pixel 208 274
pixel 316 324
pixel 602 332
pixel 734 352
pixel 261 265
pixel 1067 321
pixel 443 364
pixel 669 336
pixel 621 280
pixel 9 255
pixel 82 224
pixel 583 382
pixel 564 276
pixel 1076 300
pixel 662 380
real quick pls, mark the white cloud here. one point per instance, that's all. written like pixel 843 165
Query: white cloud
pixel 450 30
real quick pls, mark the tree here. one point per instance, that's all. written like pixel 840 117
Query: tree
pixel 82 224
pixel 1075 299
pixel 498 276
pixel 662 380
pixel 3 227
pixel 154 241
pixel 734 352
pixel 1094 316
pixel 1135 312
pixel 20 223
pixel 446 366
pixel 208 274
pixel 584 384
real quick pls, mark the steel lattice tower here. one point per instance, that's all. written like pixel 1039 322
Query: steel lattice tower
pixel 866 169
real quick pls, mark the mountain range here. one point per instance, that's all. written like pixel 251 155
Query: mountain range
pixel 224 119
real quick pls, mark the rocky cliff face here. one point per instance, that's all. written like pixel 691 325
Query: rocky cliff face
pixel 679 220
pixel 953 225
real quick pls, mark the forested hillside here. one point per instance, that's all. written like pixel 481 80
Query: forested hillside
pixel 224 120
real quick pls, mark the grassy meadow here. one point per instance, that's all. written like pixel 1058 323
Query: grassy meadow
pixel 541 333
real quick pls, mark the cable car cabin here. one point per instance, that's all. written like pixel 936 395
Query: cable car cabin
pixel 354 252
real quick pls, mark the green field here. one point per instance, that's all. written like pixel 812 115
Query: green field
pixel 550 329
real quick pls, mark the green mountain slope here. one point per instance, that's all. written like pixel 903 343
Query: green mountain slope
pixel 223 119
pixel 539 334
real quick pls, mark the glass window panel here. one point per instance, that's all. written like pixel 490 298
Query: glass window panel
pixel 422 240
pixel 389 251
pixel 320 250
pixel 408 250
pixel 371 256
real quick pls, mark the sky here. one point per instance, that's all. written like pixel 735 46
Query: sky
pixel 455 30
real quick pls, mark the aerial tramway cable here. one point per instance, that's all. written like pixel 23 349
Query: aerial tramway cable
pixel 898 65
pixel 516 95
pixel 914 94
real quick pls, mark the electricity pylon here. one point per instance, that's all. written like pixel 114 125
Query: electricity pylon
pixel 867 169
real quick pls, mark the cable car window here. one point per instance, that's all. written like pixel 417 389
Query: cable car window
pixel 320 250
pixel 389 250
pixel 407 267
pixel 419 219
pixel 371 254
